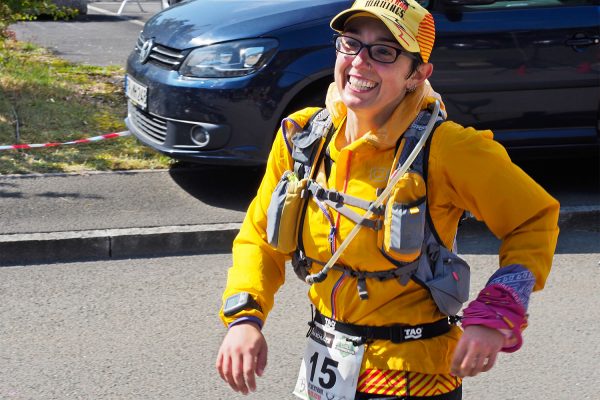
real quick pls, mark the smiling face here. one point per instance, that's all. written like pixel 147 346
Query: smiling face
pixel 369 88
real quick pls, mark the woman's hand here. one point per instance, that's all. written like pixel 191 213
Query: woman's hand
pixel 476 351
pixel 242 355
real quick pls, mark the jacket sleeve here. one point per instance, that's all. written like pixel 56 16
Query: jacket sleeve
pixel 257 267
pixel 477 175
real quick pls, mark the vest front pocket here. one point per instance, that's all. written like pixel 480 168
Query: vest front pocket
pixel 445 275
pixel 403 230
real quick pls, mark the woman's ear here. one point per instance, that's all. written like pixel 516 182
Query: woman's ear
pixel 422 73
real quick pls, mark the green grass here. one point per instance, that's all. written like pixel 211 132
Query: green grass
pixel 57 101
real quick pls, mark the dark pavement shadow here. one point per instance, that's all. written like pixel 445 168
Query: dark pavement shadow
pixel 225 187
pixel 91 18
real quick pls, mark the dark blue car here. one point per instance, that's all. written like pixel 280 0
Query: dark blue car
pixel 210 80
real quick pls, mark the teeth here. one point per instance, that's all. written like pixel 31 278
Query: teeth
pixel 361 84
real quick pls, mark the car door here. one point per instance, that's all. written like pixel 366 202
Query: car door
pixel 529 70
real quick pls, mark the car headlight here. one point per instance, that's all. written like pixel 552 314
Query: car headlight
pixel 230 59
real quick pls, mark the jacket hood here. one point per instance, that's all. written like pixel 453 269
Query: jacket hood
pixel 202 22
pixel 387 135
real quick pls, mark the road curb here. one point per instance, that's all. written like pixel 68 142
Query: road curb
pixel 60 247
pixel 573 217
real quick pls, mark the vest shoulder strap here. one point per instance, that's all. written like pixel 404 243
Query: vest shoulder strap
pixel 420 164
pixel 412 136
pixel 424 173
pixel 308 144
pixel 308 151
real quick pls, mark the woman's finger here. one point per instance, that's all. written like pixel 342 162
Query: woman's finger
pixel 227 367
pixel 469 363
pixel 237 374
pixel 261 361
pixel 249 368
pixel 491 360
pixel 457 359
pixel 478 364
pixel 219 365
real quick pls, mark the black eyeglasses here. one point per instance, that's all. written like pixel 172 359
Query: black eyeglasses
pixel 378 52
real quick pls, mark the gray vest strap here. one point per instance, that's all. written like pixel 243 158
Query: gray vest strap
pixel 305 143
pixel 336 197
pixel 402 274
pixel 336 200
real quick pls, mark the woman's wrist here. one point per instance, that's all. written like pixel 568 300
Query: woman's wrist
pixel 497 307
pixel 247 320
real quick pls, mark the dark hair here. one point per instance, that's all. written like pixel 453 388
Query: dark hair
pixel 416 61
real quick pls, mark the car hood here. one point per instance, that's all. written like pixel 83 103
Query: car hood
pixel 200 22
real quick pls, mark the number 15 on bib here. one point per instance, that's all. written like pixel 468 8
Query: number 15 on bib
pixel 330 367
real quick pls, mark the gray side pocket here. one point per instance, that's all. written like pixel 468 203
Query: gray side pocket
pixel 275 210
pixel 407 228
pixel 446 275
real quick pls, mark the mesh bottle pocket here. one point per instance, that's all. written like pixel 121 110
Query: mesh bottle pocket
pixel 283 214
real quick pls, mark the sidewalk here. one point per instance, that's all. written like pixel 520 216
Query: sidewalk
pixel 97 216
pixel 67 217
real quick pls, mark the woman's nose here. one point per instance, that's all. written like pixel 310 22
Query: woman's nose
pixel 362 58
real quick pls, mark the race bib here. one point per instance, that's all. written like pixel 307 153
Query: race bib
pixel 331 365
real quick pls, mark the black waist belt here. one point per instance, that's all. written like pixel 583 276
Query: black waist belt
pixel 394 333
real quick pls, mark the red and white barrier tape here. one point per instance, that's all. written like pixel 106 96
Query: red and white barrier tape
pixel 79 141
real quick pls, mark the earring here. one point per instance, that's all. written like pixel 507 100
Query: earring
pixel 410 89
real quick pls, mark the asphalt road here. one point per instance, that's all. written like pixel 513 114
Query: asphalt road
pixel 147 329
pixel 99 38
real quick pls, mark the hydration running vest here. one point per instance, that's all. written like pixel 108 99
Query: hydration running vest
pixel 405 230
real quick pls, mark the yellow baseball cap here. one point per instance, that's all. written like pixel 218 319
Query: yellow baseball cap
pixel 410 23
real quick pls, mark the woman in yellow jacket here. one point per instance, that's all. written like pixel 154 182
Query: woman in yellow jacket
pixel 380 87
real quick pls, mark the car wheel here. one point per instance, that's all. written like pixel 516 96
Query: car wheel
pixel 311 96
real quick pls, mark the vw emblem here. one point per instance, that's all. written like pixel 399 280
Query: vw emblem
pixel 145 50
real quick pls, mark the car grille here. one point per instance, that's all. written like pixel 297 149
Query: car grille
pixel 161 56
pixel 151 126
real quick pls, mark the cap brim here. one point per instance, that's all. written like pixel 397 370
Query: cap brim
pixel 407 42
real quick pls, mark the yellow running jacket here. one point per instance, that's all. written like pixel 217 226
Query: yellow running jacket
pixel 467 170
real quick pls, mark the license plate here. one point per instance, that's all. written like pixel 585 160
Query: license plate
pixel 136 92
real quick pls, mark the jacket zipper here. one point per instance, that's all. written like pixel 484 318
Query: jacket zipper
pixel 342 278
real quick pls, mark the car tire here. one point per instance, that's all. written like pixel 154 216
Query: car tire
pixel 312 96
